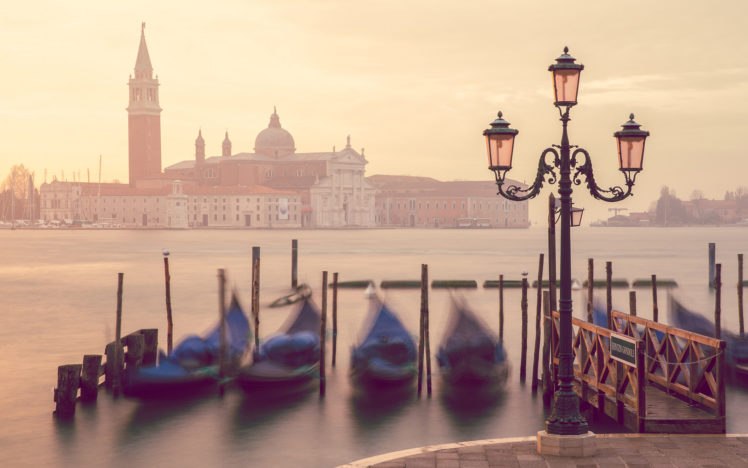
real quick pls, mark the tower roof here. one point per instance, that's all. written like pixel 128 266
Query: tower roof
pixel 199 140
pixel 143 62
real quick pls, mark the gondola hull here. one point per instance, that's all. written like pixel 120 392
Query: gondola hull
pixel 386 356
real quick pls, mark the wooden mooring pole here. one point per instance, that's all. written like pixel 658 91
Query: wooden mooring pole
pixel 169 323
pixel 608 292
pixel 501 308
pixel 256 294
pixel 118 357
pixel 536 350
pixel 426 338
pixel 222 327
pixel 150 353
pixel 334 316
pixel 90 377
pixel 718 301
pixel 552 250
pixel 421 317
pixel 66 393
pixel 322 336
pixel 523 358
pixel 590 287
pixel 632 303
pixel 712 257
pixel 655 309
pixel 740 294
pixel 547 380
pixel 295 264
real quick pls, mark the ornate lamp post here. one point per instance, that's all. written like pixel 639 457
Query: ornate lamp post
pixel 565 418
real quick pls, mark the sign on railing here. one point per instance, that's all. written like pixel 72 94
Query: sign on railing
pixel 623 349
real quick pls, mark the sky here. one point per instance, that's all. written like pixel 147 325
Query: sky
pixel 414 83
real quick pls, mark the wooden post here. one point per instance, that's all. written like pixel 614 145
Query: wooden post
pixel 294 272
pixel 426 337
pixel 547 380
pixel 322 333
pixel 118 356
pixel 68 378
pixel 721 385
pixel 90 377
pixel 740 293
pixel 135 343
pixel 523 358
pixel 169 323
pixel 536 349
pixel 334 316
pixel 718 301
pixel 608 292
pixel 222 364
pixel 150 353
pixel 655 309
pixel 712 255
pixel 501 308
pixel 422 318
pixel 552 250
pixel 632 305
pixel 590 287
pixel 256 293
pixel 641 385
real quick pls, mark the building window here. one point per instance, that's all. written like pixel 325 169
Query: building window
pixel 237 217
pixel 258 216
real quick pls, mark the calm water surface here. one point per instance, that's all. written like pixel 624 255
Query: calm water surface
pixel 58 293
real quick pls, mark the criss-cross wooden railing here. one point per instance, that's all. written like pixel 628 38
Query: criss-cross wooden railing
pixel 604 383
pixel 686 365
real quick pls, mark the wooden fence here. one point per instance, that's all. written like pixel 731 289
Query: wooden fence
pixel 681 364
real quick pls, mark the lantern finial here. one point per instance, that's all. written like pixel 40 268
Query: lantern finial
pixel 566 50
pixel 631 116
pixel 501 114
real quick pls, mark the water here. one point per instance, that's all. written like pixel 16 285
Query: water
pixel 58 291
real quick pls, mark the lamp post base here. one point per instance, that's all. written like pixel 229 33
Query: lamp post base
pixel 582 445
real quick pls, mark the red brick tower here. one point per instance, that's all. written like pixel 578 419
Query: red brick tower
pixel 144 118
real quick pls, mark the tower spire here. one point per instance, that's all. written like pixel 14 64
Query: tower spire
pixel 143 67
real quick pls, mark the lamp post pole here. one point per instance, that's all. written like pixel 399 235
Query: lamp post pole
pixel 565 418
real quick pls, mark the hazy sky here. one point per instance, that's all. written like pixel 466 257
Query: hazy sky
pixel 413 82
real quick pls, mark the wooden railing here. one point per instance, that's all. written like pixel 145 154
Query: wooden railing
pixel 686 365
pixel 604 383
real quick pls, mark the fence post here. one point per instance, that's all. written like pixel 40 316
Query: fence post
pixel 641 384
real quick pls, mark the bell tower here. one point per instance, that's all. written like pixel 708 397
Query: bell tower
pixel 144 118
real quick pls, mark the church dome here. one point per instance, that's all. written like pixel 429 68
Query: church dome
pixel 274 140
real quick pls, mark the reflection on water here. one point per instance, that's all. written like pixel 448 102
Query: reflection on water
pixel 58 289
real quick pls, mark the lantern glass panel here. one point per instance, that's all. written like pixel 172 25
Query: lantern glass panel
pixel 576 216
pixel 566 84
pixel 630 152
pixel 500 147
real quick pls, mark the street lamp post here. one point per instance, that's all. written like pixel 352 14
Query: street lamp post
pixel 565 418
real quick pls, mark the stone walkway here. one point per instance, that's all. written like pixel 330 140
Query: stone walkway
pixel 613 450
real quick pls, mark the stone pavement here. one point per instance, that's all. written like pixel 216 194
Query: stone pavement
pixel 613 450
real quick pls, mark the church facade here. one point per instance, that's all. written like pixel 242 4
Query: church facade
pixel 331 184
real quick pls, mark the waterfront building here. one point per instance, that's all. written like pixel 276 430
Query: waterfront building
pixel 332 185
pixel 178 205
pixel 405 201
